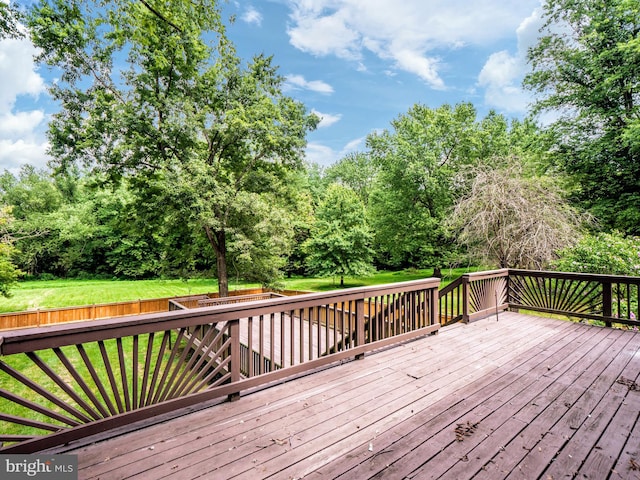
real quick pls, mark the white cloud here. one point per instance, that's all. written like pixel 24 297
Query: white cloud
pixel 15 154
pixel 251 15
pixel 298 82
pixel 20 124
pixel 407 34
pixel 18 73
pixel 326 119
pixel 325 156
pixel 21 139
pixel 502 74
pixel 320 154
pixel 353 145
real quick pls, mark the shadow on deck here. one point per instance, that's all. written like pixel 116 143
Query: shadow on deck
pixel 519 397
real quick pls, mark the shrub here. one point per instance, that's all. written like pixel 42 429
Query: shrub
pixel 605 253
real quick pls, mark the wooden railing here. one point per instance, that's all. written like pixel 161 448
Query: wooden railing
pixel 474 296
pixel 64 382
pixel 610 299
pixel 607 298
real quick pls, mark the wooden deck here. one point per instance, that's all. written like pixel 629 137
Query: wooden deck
pixel 521 397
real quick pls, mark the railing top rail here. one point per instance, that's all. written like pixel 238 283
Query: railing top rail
pixel 452 286
pixel 37 338
pixel 597 277
pixel 503 272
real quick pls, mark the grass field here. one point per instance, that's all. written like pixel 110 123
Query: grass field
pixel 29 295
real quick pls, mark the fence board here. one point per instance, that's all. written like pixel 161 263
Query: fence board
pixel 52 316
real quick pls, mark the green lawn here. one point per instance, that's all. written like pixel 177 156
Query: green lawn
pixel 67 293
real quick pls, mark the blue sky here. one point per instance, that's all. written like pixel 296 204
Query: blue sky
pixel 357 63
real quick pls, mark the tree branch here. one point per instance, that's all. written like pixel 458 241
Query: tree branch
pixel 160 16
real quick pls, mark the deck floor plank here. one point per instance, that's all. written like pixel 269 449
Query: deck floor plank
pixel 325 430
pixel 502 421
pixel 542 393
pixel 480 346
pixel 561 401
pixel 596 408
pixel 490 390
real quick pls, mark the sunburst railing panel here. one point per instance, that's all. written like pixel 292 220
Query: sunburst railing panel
pixel 608 298
pixel 63 387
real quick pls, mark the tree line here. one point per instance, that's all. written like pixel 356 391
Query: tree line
pixel 189 160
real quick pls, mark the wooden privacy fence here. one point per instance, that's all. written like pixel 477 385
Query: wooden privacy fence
pixel 50 316
pixel 64 382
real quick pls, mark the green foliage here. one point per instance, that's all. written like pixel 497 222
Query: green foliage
pixel 356 171
pixel 340 238
pixel 195 130
pixel 422 167
pixel 9 274
pixel 605 253
pixel 586 71
pixel 9 19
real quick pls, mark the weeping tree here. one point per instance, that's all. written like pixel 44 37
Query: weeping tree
pixel 153 93
pixel 514 219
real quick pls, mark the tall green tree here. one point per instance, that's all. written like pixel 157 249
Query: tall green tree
pixel 194 129
pixel 585 70
pixel 418 161
pixel 340 238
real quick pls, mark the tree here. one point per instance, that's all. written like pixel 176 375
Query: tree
pixel 8 272
pixel 193 129
pixel 511 219
pixel 604 253
pixel 586 72
pixel 340 239
pixel 9 21
pixel 418 164
pixel 356 171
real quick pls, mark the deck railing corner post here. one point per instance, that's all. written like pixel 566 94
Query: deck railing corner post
pixel 607 310
pixel 465 298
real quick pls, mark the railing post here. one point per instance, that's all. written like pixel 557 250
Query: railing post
pixel 435 307
pixel 234 331
pixel 465 298
pixel 606 301
pixel 360 325
pixel 509 295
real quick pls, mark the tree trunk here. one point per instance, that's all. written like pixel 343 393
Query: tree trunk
pixel 218 241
